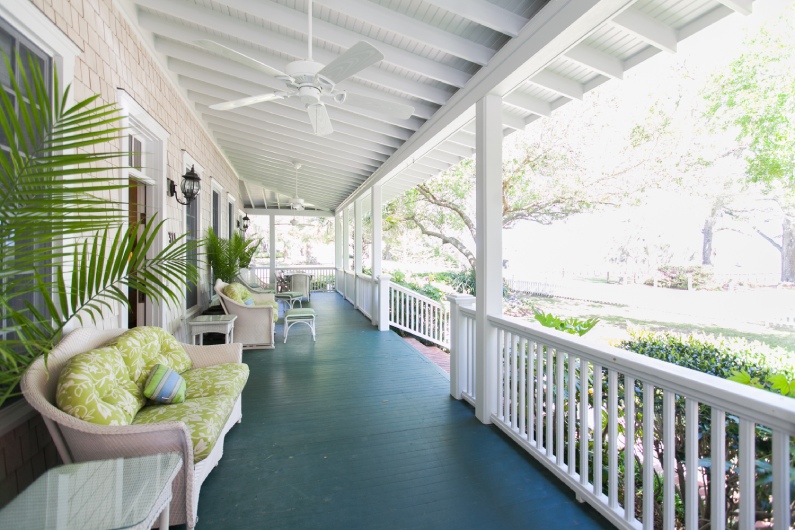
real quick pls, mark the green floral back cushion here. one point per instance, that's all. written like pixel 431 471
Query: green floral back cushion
pixel 95 386
pixel 144 347
pixel 237 292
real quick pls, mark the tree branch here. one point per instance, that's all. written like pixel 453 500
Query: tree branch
pixel 430 197
pixel 455 242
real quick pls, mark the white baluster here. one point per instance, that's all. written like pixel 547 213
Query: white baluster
pixel 584 413
pixel 746 471
pixel 514 381
pixel 612 438
pixel 597 430
pixel 781 481
pixel 648 456
pixel 560 418
pixel 668 459
pixel 522 386
pixel 629 448
pixel 550 406
pixel 572 415
pixel 539 396
pixel 691 463
pixel 718 471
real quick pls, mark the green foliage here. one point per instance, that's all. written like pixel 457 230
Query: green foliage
pixel 227 256
pixel 62 239
pixel 675 276
pixel 462 281
pixel 719 356
pixel 777 382
pixel 757 96
pixel 575 326
pixel 432 292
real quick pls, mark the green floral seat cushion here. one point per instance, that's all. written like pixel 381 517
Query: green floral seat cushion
pixel 274 305
pixel 237 292
pixel 95 386
pixel 220 379
pixel 204 418
pixel 146 346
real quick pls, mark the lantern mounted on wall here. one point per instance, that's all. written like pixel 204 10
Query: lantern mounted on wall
pixel 246 222
pixel 190 186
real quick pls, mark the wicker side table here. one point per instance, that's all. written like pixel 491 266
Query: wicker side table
pixel 224 324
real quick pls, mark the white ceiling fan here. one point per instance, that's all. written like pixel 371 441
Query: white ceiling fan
pixel 311 81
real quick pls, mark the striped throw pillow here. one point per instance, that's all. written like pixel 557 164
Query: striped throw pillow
pixel 164 385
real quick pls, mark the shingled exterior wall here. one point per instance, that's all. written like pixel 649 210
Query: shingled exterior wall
pixel 114 57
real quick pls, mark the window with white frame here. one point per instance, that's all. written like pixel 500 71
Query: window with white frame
pixel 21 54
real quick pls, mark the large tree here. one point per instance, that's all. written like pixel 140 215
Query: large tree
pixel 756 97
pixel 559 167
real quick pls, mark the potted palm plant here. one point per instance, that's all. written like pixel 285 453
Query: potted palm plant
pixel 67 249
pixel 227 256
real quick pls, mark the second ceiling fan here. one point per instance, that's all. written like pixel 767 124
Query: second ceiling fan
pixel 313 82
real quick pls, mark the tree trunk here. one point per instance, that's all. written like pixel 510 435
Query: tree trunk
pixel 788 249
pixel 706 246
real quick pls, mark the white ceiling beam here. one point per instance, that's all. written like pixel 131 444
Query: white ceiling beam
pixel 415 30
pixel 256 148
pixel 444 157
pixel 511 120
pixel 484 13
pixel 647 29
pixel 558 84
pixel 295 213
pixel 743 7
pixel 259 128
pixel 282 168
pixel 300 149
pixel 205 59
pixel 326 31
pixel 456 149
pixel 597 60
pixel 463 138
pixel 528 103
pixel 245 192
pixel 554 29
pixel 264 198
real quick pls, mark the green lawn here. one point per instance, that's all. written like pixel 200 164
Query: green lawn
pixel 685 317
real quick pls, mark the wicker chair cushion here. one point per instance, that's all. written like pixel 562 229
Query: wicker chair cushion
pixel 237 292
pixel 204 418
pixel 95 386
pixel 220 379
pixel 146 346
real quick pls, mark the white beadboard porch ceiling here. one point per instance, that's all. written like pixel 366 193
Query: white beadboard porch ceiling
pixel 440 57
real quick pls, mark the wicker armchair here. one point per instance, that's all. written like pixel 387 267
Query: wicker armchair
pixel 301 283
pixel 255 326
pixel 79 441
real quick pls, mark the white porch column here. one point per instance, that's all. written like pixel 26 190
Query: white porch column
pixel 383 309
pixel 458 342
pixel 357 249
pixel 338 253
pixel 488 242
pixel 272 249
pixel 376 218
pixel 346 244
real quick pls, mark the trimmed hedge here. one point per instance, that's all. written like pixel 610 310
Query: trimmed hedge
pixel 719 356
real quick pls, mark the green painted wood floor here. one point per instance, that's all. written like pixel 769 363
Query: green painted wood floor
pixel 358 430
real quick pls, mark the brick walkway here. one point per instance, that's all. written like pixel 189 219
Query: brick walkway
pixel 437 356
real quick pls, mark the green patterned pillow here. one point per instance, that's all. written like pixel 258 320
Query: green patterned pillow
pixel 146 346
pixel 95 386
pixel 238 292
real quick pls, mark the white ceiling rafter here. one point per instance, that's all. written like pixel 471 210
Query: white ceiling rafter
pixel 485 14
pixel 741 6
pixel 528 103
pixel 596 60
pixel 378 15
pixel 648 29
pixel 558 84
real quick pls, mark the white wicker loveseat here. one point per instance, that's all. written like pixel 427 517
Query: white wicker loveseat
pixel 255 326
pixel 78 440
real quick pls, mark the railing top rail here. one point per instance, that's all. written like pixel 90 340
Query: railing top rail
pixel 415 294
pixel 366 277
pixel 350 273
pixel 761 406
pixel 303 267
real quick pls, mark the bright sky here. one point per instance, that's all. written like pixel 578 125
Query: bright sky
pixel 582 241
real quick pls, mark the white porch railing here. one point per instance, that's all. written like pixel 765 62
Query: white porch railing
pixel 349 283
pixel 552 389
pixel 364 294
pixel 323 277
pixel 419 315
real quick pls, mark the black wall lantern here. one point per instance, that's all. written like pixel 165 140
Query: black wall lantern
pixel 190 186
pixel 246 222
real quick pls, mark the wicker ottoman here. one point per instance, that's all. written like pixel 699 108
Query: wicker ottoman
pixel 299 316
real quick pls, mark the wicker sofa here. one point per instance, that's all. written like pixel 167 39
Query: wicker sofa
pixel 112 373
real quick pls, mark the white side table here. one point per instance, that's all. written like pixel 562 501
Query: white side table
pixel 212 324
pixel 129 493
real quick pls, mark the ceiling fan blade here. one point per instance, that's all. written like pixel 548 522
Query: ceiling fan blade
pixel 318 116
pixel 357 58
pixel 236 56
pixel 397 110
pixel 244 102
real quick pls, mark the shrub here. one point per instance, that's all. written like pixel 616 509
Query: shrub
pixel 675 277
pixel 575 326
pixel 719 356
